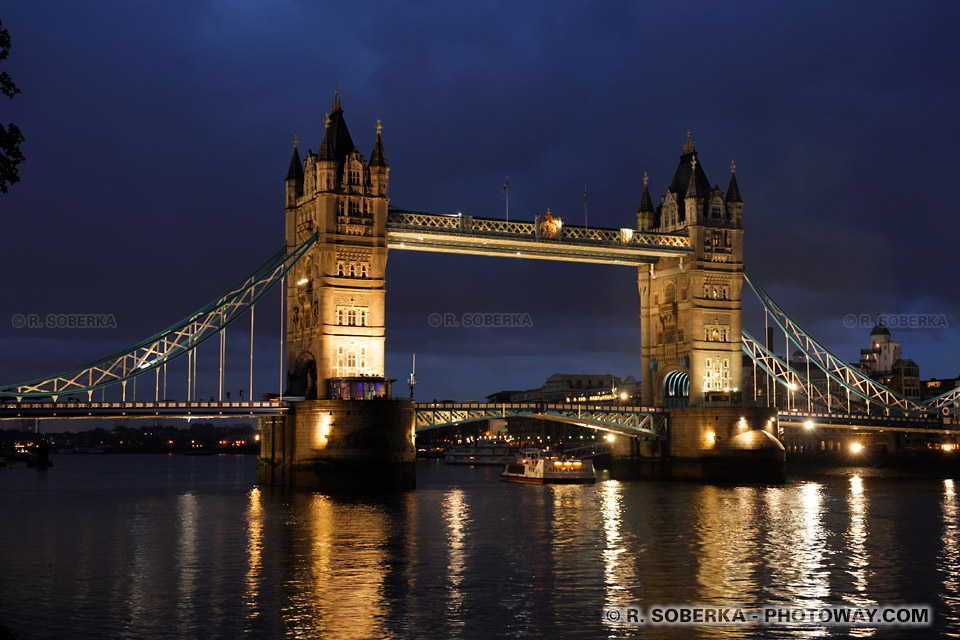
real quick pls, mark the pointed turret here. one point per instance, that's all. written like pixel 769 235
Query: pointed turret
pixel 689 172
pixel 693 197
pixel 378 167
pixel 733 191
pixel 377 157
pixel 733 201
pixel 294 179
pixel 646 210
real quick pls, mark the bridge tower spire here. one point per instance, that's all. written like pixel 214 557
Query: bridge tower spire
pixel 335 294
pixel 691 305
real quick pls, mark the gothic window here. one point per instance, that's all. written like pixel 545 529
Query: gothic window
pixel 340 318
pixel 354 208
pixel 340 207
pixel 715 211
pixel 353 270
pixel 363 269
pixel 355 176
pixel 363 358
pixel 669 293
pixel 340 268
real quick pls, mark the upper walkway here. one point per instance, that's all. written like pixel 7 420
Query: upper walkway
pixel 546 239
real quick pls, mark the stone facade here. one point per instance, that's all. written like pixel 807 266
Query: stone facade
pixel 335 294
pixel 690 306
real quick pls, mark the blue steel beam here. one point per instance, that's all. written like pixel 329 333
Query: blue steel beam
pixel 838 370
pixel 633 421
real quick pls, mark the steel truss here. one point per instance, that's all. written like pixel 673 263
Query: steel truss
pixel 632 421
pixel 783 373
pixel 156 351
pixel 851 379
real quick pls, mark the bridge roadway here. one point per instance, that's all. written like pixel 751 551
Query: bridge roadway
pixel 170 409
pixel 867 422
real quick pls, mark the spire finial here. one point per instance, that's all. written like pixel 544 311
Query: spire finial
pixel 689 146
pixel 733 167
pixel 296 140
pixel 326 121
pixel 645 179
pixel 379 126
pixel 336 98
pixel 688 136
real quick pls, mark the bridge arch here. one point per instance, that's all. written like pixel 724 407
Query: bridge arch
pixel 303 377
pixel 676 388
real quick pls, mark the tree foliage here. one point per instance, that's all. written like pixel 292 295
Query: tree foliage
pixel 10 136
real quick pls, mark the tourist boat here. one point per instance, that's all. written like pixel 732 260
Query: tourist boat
pixel 542 467
pixel 481 453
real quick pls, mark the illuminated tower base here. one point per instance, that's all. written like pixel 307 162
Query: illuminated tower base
pixel 340 445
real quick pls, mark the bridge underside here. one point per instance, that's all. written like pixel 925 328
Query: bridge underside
pixel 628 421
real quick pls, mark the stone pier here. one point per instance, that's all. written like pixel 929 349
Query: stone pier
pixel 340 445
pixel 712 444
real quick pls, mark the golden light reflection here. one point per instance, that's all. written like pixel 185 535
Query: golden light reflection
pixel 726 563
pixel 947 563
pixel 254 551
pixel 858 551
pixel 795 547
pixel 617 563
pixel 344 572
pixel 456 513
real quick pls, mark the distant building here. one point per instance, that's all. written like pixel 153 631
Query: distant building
pixel 936 387
pixel 566 387
pixel 883 362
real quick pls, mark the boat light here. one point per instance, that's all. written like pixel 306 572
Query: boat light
pixel 558 464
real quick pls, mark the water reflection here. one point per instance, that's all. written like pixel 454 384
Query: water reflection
pixel 950 546
pixel 795 547
pixel 617 562
pixel 455 514
pixel 188 558
pixel 857 550
pixel 254 554
pixel 337 585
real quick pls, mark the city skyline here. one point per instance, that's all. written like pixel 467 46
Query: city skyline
pixel 156 157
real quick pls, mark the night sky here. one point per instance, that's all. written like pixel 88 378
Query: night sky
pixel 158 136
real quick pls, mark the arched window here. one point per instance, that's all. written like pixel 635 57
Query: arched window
pixel 669 293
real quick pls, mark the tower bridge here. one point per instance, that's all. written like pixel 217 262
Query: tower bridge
pixel 339 228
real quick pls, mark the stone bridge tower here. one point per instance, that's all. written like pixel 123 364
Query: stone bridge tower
pixel 691 306
pixel 335 294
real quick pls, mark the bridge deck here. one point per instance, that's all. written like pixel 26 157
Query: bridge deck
pixel 867 422
pixel 93 410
